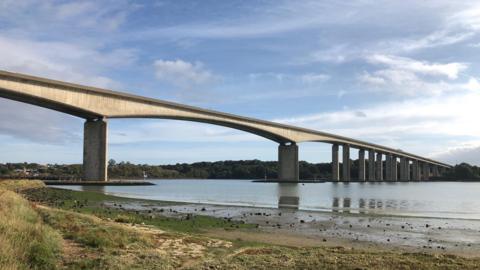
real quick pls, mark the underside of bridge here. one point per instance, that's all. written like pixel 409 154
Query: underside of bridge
pixel 98 105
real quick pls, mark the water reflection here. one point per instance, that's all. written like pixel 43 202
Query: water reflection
pixel 346 205
pixel 439 199
pixel 288 195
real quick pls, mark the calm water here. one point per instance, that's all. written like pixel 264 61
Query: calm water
pixel 434 199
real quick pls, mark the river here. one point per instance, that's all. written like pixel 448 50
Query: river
pixel 423 199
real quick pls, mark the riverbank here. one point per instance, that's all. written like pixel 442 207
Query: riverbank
pixel 98 183
pixel 97 231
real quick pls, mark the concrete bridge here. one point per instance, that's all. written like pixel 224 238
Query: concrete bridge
pixel 96 106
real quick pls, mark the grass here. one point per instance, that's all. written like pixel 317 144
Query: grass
pixel 93 203
pixel 73 230
pixel 25 241
pixel 93 243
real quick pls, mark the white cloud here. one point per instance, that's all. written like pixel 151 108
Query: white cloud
pixel 336 54
pixel 256 21
pixel 182 73
pixel 280 77
pixel 468 18
pixel 61 60
pixel 306 78
pixel 313 78
pixel 450 70
pixel 437 38
pixel 406 83
pixel 472 85
pixel 410 77
pixel 371 79
pixel 52 16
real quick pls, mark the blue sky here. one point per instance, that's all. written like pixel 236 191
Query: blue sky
pixel 400 73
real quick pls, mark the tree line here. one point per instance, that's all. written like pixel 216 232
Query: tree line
pixel 241 169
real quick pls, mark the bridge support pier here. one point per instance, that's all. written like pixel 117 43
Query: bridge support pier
pixel 371 165
pixel 388 167
pixel 288 162
pixel 394 168
pixel 361 165
pixel 346 163
pixel 425 171
pixel 95 150
pixel 415 171
pixel 335 166
pixel 436 173
pixel 408 170
pixel 379 169
pixel 403 168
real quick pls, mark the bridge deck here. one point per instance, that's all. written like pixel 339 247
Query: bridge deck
pixel 90 103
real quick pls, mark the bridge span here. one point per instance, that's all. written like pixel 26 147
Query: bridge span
pixel 97 105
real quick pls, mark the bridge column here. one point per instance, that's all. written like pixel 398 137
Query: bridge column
pixel 371 165
pixel 335 166
pixel 288 162
pixel 415 171
pixel 379 168
pixel 435 171
pixel 407 169
pixel 361 165
pixel 388 167
pixel 394 168
pixel 95 150
pixel 403 168
pixel 425 171
pixel 419 171
pixel 346 163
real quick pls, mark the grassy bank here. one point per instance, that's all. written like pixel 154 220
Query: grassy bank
pixel 25 241
pixel 76 230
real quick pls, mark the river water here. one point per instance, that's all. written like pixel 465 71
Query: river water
pixel 426 199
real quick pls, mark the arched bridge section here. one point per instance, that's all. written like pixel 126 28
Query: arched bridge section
pixel 97 105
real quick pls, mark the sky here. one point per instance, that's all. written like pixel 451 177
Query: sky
pixel 404 74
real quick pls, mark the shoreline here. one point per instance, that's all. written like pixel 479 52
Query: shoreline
pixel 366 230
pixel 412 234
pixel 98 183
pixel 96 229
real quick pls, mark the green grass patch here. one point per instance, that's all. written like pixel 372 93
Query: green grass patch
pixel 94 203
pixel 91 231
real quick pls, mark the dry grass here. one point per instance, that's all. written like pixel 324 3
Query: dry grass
pixel 25 242
pixel 19 185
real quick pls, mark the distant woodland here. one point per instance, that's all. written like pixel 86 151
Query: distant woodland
pixel 242 169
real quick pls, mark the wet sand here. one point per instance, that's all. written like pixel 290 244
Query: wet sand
pixel 293 227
